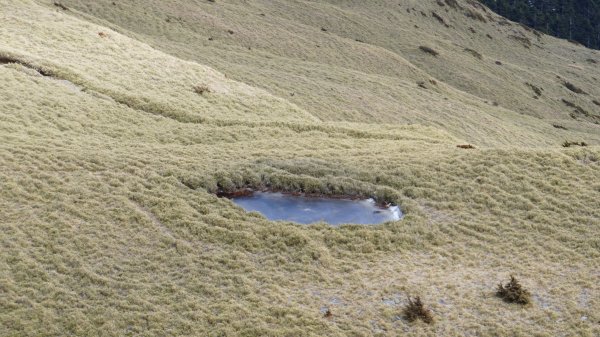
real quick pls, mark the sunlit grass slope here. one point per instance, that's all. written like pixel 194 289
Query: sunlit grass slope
pixel 109 157
pixel 360 61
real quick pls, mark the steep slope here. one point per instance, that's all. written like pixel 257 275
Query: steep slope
pixel 360 61
pixel 109 160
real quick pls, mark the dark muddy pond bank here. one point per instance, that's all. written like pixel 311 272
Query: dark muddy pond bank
pixel 309 209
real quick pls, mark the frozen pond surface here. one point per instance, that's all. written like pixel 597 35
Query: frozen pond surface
pixel 308 210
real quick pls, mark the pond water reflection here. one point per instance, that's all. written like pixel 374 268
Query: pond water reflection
pixel 308 210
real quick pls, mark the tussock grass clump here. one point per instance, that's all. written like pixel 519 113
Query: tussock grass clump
pixel 429 50
pixel 513 292
pixel 415 310
pixel 201 89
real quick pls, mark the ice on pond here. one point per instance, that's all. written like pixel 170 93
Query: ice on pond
pixel 308 210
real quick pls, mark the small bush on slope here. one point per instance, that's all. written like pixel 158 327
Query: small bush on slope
pixel 513 292
pixel 415 310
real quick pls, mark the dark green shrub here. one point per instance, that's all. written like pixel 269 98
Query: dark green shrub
pixel 415 310
pixel 513 292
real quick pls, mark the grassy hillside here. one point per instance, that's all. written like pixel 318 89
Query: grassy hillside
pixel 281 46
pixel 119 122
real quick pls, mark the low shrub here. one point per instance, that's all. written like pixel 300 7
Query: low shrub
pixel 513 292
pixel 415 310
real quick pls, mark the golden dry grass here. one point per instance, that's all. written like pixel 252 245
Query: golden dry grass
pixel 108 224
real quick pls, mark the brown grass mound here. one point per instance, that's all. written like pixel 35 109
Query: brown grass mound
pixel 513 292
pixel 415 310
